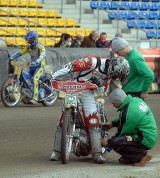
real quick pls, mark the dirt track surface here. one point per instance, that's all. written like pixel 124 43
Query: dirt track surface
pixel 26 139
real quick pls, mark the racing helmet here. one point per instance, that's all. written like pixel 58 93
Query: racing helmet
pixel 118 68
pixel 32 39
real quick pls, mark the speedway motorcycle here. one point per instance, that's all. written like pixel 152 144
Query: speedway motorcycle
pixel 75 135
pixel 19 87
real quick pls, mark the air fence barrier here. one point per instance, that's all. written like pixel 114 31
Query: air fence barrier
pixel 57 57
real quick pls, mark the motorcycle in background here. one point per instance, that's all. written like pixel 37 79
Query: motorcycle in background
pixel 75 135
pixel 19 87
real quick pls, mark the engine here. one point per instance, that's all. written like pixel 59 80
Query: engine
pixel 81 143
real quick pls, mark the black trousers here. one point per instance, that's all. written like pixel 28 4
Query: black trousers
pixel 134 94
pixel 130 150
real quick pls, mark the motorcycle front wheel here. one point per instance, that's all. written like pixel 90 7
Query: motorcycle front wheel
pixel 10 92
pixel 68 128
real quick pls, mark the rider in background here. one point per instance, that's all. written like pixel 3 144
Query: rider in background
pixel 38 53
pixel 96 70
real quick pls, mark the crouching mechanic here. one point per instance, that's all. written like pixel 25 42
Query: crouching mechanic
pixel 137 129
pixel 37 53
pixel 96 70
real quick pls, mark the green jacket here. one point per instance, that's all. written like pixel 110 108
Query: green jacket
pixel 137 121
pixel 140 76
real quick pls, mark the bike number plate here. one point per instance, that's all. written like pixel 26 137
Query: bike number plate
pixel 71 100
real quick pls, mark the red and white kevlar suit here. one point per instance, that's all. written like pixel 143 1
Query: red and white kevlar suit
pixel 87 69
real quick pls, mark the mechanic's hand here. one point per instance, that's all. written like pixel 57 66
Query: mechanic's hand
pixel 144 95
pixel 107 126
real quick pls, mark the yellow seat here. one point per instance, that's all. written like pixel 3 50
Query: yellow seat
pixel 42 21
pixel 42 13
pixel 10 41
pixel 21 31
pixel 11 31
pixel 50 42
pixel 13 2
pixel 33 22
pixel 22 22
pixel 52 13
pixel 71 23
pixel 51 22
pixel 14 11
pixel 4 22
pixel 4 11
pixel 88 31
pixel 20 41
pixel 80 31
pixel 33 3
pixel 42 41
pixel 50 32
pixel 23 12
pixel 70 31
pixel 4 2
pixel 12 21
pixel 41 31
pixel 32 12
pixel 23 3
pixel 61 22
pixel 3 32
pixel 60 31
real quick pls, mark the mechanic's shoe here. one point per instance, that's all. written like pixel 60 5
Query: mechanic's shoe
pixel 144 160
pixel 99 159
pixel 56 156
pixel 124 161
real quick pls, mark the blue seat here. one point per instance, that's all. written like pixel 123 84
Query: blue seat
pixel 150 34
pixel 158 24
pixel 122 15
pixel 153 15
pixel 105 5
pixel 112 15
pixel 114 6
pixel 145 6
pixel 125 5
pixel 141 24
pixel 155 7
pixel 145 0
pixel 158 34
pixel 131 24
pixel 155 0
pixel 151 25
pixel 143 15
pixel 94 4
pixel 135 6
pixel 132 15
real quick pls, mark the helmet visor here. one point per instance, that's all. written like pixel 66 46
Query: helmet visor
pixel 30 42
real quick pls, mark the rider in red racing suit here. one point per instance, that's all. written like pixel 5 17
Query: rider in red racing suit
pixel 96 70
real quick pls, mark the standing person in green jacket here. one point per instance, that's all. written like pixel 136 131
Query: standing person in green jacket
pixel 141 76
pixel 136 129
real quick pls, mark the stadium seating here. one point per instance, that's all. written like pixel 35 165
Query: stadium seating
pixel 143 15
pixel 153 15
pixel 135 6
pixel 145 6
pixel 113 6
pixel 94 4
pixel 112 15
pixel 122 15
pixel 125 5
pixel 132 15
pixel 105 5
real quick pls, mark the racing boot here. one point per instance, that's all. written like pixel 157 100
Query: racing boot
pixel 56 153
pixel 95 138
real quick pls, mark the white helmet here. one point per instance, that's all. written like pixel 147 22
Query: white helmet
pixel 118 68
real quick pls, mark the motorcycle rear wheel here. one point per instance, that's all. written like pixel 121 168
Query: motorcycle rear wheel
pixel 9 95
pixel 67 136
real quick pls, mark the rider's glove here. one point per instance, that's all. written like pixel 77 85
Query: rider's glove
pixel 35 63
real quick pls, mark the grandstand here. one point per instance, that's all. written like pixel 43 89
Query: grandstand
pixel 138 21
